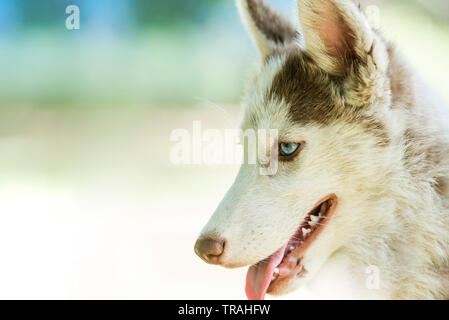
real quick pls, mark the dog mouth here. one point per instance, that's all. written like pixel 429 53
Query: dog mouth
pixel 275 273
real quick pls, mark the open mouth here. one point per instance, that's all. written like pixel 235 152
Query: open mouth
pixel 274 274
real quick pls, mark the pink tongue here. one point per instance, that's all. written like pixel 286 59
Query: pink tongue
pixel 259 276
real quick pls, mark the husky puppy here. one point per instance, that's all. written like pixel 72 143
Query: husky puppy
pixel 363 162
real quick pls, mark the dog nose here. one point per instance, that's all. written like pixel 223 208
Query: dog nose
pixel 209 249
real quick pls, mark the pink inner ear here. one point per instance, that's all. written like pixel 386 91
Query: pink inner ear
pixel 334 32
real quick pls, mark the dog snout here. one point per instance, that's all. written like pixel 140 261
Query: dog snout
pixel 209 249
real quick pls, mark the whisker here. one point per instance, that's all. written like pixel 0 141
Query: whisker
pixel 226 114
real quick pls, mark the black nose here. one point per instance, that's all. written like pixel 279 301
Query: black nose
pixel 209 249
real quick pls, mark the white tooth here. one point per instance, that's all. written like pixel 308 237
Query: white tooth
pixel 292 248
pixel 272 278
pixel 305 231
pixel 314 219
pixel 276 270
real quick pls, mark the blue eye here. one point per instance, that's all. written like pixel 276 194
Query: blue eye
pixel 289 149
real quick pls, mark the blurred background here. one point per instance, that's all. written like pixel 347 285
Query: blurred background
pixel 90 204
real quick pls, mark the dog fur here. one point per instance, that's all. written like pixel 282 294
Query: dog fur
pixel 375 136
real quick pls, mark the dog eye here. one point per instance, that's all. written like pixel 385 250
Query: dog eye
pixel 289 150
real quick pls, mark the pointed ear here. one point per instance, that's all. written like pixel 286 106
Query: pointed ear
pixel 268 28
pixel 337 34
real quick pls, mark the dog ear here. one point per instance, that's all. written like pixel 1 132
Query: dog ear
pixel 268 28
pixel 337 35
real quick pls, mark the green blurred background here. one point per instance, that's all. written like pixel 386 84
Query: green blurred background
pixel 164 52
pixel 126 52
pixel 90 205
